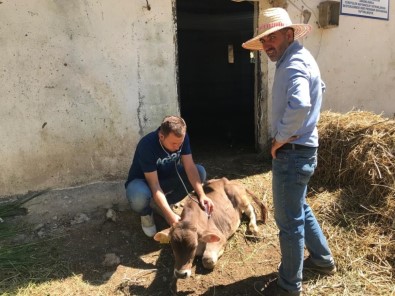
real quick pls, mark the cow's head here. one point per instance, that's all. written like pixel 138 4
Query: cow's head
pixel 184 241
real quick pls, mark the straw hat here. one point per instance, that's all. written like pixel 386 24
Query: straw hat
pixel 274 19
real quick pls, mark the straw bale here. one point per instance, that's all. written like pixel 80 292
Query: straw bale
pixel 356 158
pixel 357 149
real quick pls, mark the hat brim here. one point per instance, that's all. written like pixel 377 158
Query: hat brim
pixel 300 30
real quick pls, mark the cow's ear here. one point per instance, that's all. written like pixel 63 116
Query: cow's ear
pixel 163 236
pixel 210 237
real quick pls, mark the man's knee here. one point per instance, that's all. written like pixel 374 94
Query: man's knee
pixel 139 197
pixel 202 172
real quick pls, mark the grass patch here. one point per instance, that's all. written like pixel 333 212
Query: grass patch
pixel 24 260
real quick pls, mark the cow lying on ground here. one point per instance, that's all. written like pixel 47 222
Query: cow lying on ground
pixel 198 234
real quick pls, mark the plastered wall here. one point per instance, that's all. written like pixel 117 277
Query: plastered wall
pixel 357 59
pixel 81 82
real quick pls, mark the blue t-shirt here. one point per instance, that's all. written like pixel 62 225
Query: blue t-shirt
pixel 150 156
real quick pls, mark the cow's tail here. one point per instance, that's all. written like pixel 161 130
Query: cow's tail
pixel 261 205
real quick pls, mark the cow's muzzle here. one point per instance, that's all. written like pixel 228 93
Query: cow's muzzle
pixel 182 274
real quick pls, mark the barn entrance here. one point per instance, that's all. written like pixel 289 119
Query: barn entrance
pixel 216 75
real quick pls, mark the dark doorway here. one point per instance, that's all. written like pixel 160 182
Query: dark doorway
pixel 216 75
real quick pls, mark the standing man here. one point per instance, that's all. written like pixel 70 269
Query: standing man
pixel 296 102
pixel 162 164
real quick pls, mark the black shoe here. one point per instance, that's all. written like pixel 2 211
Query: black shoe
pixel 272 289
pixel 308 265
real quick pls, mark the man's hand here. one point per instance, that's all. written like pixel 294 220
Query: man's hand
pixel 276 145
pixel 207 203
pixel 174 219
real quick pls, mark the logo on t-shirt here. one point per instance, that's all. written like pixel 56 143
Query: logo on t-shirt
pixel 170 158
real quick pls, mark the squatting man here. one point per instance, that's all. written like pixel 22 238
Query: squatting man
pixel 162 173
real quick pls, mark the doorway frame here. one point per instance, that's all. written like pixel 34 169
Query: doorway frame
pixel 261 73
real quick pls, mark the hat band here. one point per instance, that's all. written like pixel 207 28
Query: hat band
pixel 272 25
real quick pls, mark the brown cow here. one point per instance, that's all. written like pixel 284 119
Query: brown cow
pixel 197 234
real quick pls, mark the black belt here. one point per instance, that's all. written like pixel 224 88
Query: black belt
pixel 289 146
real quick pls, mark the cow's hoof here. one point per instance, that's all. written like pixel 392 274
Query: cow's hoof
pixel 209 263
pixel 254 229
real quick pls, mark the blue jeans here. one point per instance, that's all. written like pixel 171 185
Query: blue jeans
pixel 140 196
pixel 298 226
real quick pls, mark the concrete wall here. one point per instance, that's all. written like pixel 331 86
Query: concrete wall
pixel 81 82
pixel 357 59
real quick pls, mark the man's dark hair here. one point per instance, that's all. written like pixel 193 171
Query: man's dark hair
pixel 289 28
pixel 173 124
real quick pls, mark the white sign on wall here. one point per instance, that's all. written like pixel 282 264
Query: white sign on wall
pixel 378 9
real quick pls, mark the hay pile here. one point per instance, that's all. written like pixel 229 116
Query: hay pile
pixel 357 149
pixel 356 159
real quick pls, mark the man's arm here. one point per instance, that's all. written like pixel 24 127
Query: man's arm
pixel 297 108
pixel 160 198
pixel 194 179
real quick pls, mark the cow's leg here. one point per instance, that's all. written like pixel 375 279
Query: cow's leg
pixel 214 249
pixel 212 253
pixel 238 194
pixel 252 226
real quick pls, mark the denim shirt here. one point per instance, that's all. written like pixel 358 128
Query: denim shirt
pixel 297 96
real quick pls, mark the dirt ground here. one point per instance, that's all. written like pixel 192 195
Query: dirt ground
pixel 104 246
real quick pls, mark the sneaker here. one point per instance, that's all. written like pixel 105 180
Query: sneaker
pixel 148 225
pixel 325 270
pixel 272 289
